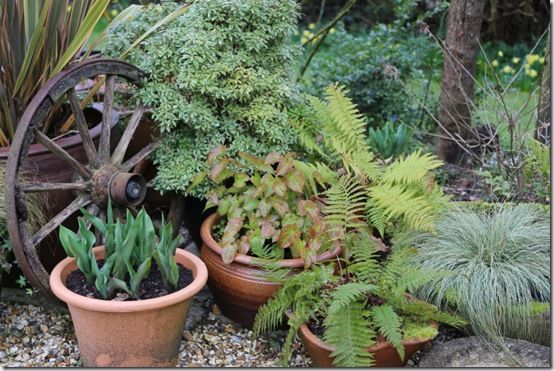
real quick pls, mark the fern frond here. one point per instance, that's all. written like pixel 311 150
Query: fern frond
pixel 377 216
pixel 396 201
pixel 348 331
pixel 316 174
pixel 389 325
pixel 349 122
pixel 344 206
pixel 413 168
pixel 346 294
pixel 364 264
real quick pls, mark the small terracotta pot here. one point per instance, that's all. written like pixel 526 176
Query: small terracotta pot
pixel 241 287
pixel 385 355
pixel 141 333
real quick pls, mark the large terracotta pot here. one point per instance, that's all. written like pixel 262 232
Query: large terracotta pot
pixel 241 287
pixel 143 333
pixel 385 355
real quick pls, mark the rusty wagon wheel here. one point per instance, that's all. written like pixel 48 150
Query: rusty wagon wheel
pixel 104 171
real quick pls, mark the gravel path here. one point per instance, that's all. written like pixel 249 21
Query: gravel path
pixel 32 336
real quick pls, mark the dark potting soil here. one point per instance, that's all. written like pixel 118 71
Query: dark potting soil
pixel 151 287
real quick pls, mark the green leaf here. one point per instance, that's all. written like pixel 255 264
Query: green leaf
pixel 272 158
pixel 142 272
pixel 295 181
pixel 389 325
pixel 229 252
pixel 289 234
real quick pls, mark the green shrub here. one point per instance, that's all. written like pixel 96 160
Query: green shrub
pixel 498 260
pixel 217 75
pixel 374 67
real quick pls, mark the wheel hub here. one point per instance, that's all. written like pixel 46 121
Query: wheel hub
pixel 125 189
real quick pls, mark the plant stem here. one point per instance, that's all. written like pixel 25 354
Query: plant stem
pixel 323 33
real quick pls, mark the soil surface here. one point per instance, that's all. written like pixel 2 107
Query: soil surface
pixel 151 287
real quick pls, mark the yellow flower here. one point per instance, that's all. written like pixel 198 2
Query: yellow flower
pixel 304 40
pixel 495 63
pixel 532 58
pixel 541 60
pixel 114 12
pixel 307 34
pixel 532 73
pixel 332 30
pixel 515 60
pixel 311 26
pixel 508 69
pixel 500 53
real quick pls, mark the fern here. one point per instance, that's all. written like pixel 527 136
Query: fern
pixel 363 263
pixel 345 206
pixel 389 324
pixel 348 331
pixel 414 168
pixel 346 294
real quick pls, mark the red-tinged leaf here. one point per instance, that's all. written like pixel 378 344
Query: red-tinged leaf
pixel 212 199
pixel 314 244
pixel 279 187
pixel 234 225
pixel 215 152
pixel 228 253
pixel 289 234
pixel 267 182
pixel 240 180
pixel 257 162
pixel 280 205
pixel 317 229
pixel 256 179
pixel 244 245
pixel 295 181
pixel 224 206
pixel 310 208
pixel 220 171
pixel 285 165
pixel 268 230
pixel 264 208
pixel 272 158
pixel 298 249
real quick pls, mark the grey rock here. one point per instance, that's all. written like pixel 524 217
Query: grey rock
pixel 473 352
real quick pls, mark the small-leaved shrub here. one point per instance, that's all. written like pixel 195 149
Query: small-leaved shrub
pixel 220 74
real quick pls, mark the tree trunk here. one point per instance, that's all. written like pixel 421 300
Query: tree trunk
pixel 544 114
pixel 462 43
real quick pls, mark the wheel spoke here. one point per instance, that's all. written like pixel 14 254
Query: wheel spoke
pixel 82 126
pixel 104 148
pixel 48 187
pixel 62 154
pixel 46 229
pixel 119 152
pixel 143 153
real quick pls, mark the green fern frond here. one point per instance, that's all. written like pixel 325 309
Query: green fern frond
pixel 389 325
pixel 345 205
pixel 316 174
pixel 346 294
pixel 396 201
pixel 414 168
pixel 364 264
pixel 348 331
pixel 377 217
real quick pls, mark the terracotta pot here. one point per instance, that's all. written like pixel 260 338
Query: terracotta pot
pixel 142 333
pixel 385 355
pixel 240 288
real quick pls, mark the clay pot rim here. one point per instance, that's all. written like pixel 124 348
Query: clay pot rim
pixel 65 142
pixel 206 235
pixel 311 337
pixel 200 274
